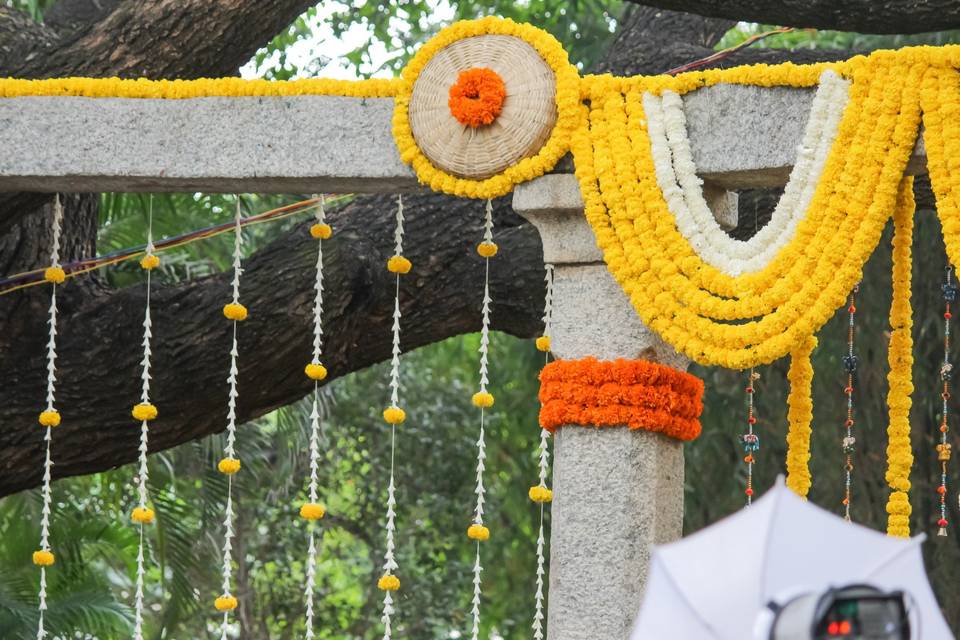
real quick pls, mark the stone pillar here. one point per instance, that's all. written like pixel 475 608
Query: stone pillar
pixel 616 491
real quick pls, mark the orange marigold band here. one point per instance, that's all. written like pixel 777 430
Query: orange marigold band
pixel 635 393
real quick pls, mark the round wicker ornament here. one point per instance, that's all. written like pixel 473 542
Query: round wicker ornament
pixel 523 126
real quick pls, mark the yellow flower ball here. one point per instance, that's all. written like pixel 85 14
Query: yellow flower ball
pixel 394 415
pixel 399 264
pixel 487 249
pixel 55 275
pixel 543 343
pixel 312 511
pixel 49 418
pixel 315 371
pixel 144 411
pixel 43 558
pixel 225 603
pixel 149 262
pixel 478 532
pixel 235 311
pixel 321 231
pixel 143 515
pixel 388 583
pixel 483 399
pixel 228 466
pixel 540 494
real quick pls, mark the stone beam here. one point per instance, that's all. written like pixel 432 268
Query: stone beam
pixel 741 137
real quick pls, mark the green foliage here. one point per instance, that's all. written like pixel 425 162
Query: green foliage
pixel 825 39
pixel 33 8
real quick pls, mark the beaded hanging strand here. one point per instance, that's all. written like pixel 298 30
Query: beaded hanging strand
pixel 849 442
pixel 751 441
pixel 230 464
pixel 540 493
pixel 943 448
pixel 49 417
pixel 393 415
pixel 144 412
pixel 314 510
pixel 482 399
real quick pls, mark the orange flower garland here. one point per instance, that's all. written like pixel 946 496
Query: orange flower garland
pixel 476 98
pixel 635 393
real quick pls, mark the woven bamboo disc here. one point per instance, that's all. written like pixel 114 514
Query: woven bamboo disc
pixel 523 126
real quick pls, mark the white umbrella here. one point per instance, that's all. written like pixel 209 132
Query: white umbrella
pixel 716 583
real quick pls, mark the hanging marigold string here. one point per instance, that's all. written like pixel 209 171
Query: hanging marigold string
pixel 49 417
pixel 393 415
pixel 540 493
pixel 482 399
pixel 944 449
pixel 849 442
pixel 751 441
pixel 229 465
pixel 144 412
pixel 799 415
pixel 313 510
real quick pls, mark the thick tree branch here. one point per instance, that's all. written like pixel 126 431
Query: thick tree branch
pixel 864 16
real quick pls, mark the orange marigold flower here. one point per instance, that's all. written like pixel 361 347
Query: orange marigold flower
pixel 476 98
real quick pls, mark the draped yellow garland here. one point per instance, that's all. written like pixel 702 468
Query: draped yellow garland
pixel 799 416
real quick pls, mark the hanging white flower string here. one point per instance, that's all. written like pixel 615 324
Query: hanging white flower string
pixel 144 412
pixel 484 400
pixel 393 415
pixel 316 371
pixel 230 464
pixel 49 417
pixel 540 493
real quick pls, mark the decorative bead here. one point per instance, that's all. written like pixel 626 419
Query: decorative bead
pixel 752 420
pixel 225 603
pixel 315 371
pixel 321 231
pixel 946 370
pixel 143 515
pixel 49 418
pixel 399 264
pixel 852 309
pixel 543 343
pixel 144 411
pixel 235 311
pixel 751 442
pixel 850 363
pixel 748 459
pixel 487 249
pixel 54 275
pixel 942 522
pixel 949 292
pixel 228 466
pixel 483 399
pixel 943 452
pixel 43 558
pixel 947 315
pixel 478 532
pixel 941 489
pixel 749 389
pixel 312 511
pixel 748 491
pixel 540 494
pixel 388 583
pixel 394 415
pixel 848 444
pixel 149 262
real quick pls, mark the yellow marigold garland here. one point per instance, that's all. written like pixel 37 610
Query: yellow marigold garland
pixel 799 416
pixel 900 378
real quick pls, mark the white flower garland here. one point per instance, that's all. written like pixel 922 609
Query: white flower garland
pixel 681 187
pixel 544 465
pixel 46 492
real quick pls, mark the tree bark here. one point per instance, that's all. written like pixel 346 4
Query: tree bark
pixel 865 16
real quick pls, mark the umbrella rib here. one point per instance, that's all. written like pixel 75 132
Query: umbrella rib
pixel 706 625
pixel 777 495
pixel 914 542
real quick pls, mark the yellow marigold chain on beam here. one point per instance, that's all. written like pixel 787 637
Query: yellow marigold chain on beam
pixel 799 416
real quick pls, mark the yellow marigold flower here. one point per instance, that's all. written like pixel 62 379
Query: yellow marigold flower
pixel 143 515
pixel 478 532
pixel 540 494
pixel 394 415
pixel 483 399
pixel 235 311
pixel 50 418
pixel 543 343
pixel 312 511
pixel 149 262
pixel 225 603
pixel 144 411
pixel 321 231
pixel 228 466
pixel 388 583
pixel 43 558
pixel 315 371
pixel 399 264
pixel 56 275
pixel 487 249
